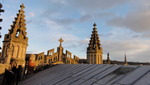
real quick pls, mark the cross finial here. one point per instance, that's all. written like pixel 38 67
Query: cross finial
pixel 61 40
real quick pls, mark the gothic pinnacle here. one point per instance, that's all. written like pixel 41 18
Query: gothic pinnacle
pixel 22 6
pixel 94 48
pixel 94 25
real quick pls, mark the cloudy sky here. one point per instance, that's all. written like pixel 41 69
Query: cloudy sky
pixel 123 25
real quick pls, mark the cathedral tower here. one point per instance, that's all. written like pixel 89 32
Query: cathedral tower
pixel 15 42
pixel 94 50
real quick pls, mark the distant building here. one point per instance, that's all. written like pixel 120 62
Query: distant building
pixel 39 60
pixel 125 60
pixel 108 59
pixel 60 57
pixel 94 50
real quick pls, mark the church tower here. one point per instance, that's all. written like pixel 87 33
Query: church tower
pixel 94 50
pixel 15 42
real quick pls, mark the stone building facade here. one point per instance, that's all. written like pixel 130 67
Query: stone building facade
pixel 52 57
pixel 94 49
pixel 60 57
pixel 15 42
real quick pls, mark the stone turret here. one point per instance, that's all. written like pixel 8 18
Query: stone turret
pixel 108 59
pixel 94 49
pixel 15 42
pixel 125 60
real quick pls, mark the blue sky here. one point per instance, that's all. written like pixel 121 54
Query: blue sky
pixel 123 25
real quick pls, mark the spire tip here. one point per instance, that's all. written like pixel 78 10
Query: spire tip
pixel 94 24
pixel 22 6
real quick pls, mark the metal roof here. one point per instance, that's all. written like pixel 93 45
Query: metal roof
pixel 91 74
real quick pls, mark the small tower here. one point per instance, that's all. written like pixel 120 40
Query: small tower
pixel 108 59
pixel 60 49
pixel 94 49
pixel 125 60
pixel 15 42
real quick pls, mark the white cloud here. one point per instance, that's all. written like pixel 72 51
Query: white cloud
pixel 135 49
pixel 68 38
pixel 137 21
pixel 95 5
pixel 31 14
pixel 84 42
pixel 52 24
pixel 63 2
pixel 8 6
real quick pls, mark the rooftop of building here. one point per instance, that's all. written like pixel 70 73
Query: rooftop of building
pixel 91 74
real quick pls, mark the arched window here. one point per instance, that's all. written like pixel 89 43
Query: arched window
pixel 18 32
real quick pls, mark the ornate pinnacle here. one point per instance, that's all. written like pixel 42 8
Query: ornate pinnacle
pixel 94 25
pixel 22 6
pixel 18 24
pixel 94 40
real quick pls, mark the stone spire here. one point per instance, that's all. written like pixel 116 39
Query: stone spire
pixel 94 50
pixel 125 60
pixel 94 40
pixel 15 42
pixel 18 28
pixel 108 59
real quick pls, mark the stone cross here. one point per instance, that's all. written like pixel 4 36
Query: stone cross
pixel 61 40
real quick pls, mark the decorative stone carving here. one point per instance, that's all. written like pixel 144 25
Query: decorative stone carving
pixel 15 42
pixel 94 50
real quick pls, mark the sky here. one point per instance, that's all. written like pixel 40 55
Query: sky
pixel 123 26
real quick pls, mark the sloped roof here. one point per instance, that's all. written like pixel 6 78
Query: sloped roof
pixel 91 74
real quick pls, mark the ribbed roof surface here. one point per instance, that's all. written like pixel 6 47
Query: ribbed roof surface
pixel 91 74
